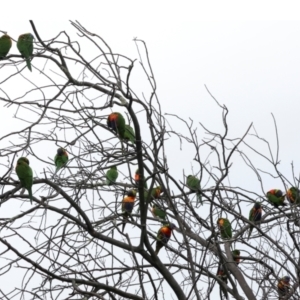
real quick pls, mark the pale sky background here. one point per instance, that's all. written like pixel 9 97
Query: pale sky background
pixel 246 52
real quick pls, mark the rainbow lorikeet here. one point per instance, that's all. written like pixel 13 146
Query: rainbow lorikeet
pixel 155 193
pixel 225 228
pixel 129 134
pixel 158 212
pixel 25 47
pixel 163 236
pixel 61 158
pixel 223 276
pixel 255 215
pixel 111 175
pixel 116 122
pixel 276 197
pixel 5 45
pixel 127 206
pixel 293 195
pixel 194 184
pixel 137 178
pixel 236 255
pixel 25 175
pixel 283 286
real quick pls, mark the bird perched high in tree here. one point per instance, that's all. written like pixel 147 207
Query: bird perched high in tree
pixel 111 175
pixel 163 236
pixel 155 193
pixel 5 45
pixel 225 228
pixel 137 178
pixel 25 175
pixel 194 184
pixel 236 255
pixel 129 134
pixel 116 122
pixel 127 206
pixel 293 195
pixel 221 273
pixel 255 215
pixel 158 213
pixel 283 286
pixel 61 158
pixel 276 197
pixel 25 47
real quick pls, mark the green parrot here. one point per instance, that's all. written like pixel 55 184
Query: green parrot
pixel 129 134
pixel 255 215
pixel 194 184
pixel 25 47
pixel 116 122
pixel 276 197
pixel 236 255
pixel 158 212
pixel 293 195
pixel 155 193
pixel 225 228
pixel 111 175
pixel 5 45
pixel 61 158
pixel 25 175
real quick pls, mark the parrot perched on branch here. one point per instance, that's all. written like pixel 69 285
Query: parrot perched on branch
pixel 25 47
pixel 293 195
pixel 223 276
pixel 61 158
pixel 158 212
pixel 236 255
pixel 127 206
pixel 116 122
pixel 25 175
pixel 283 286
pixel 5 45
pixel 225 228
pixel 154 194
pixel 276 197
pixel 194 184
pixel 137 179
pixel 163 236
pixel 111 175
pixel 129 134
pixel 254 215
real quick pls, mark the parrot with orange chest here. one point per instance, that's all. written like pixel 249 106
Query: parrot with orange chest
pixel 225 228
pixel 255 215
pixel 163 236
pixel 127 206
pixel 223 276
pixel 293 195
pixel 137 177
pixel 25 175
pixel 61 158
pixel 283 286
pixel 276 197
pixel 236 256
pixel 116 122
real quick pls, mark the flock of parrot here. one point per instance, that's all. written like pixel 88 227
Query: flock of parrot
pixel 24 45
pixel 276 198
pixel 116 122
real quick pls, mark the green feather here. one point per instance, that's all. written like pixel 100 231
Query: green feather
pixel 129 134
pixel 25 175
pixel 194 184
pixel 157 212
pixel 276 197
pixel 61 158
pixel 25 47
pixel 5 45
pixel 111 175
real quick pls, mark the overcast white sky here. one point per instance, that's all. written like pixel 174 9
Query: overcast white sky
pixel 246 52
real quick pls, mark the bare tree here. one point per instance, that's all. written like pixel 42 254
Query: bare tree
pixel 69 243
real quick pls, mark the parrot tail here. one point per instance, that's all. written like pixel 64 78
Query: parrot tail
pixel 250 231
pixel 28 64
pixel 30 195
pixel 199 197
